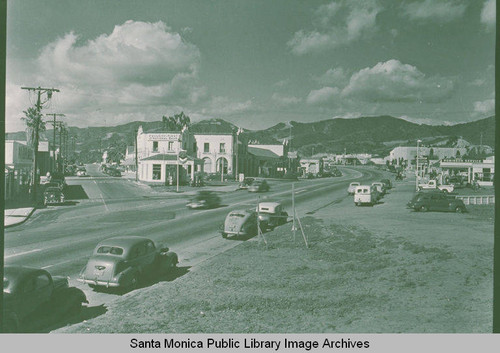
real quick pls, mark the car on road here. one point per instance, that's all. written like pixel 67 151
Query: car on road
pixel 271 215
pixel 204 199
pixel 114 172
pixel 366 195
pixel 352 187
pixel 53 195
pixel 387 183
pixel 124 261
pixel 259 186
pixel 32 294
pixel 436 201
pixel 240 222
pixel 246 183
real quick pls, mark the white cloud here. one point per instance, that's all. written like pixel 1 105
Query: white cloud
pixel 443 10
pixel 135 68
pixel 223 106
pixel 392 81
pixel 486 107
pixel 333 77
pixel 488 14
pixel 325 95
pixel 337 23
pixel 283 100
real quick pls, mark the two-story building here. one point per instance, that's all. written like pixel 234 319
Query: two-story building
pixel 162 154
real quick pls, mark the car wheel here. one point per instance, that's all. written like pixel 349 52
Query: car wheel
pixel 459 209
pixel 357 203
pixel 224 235
pixel 424 208
pixel 445 191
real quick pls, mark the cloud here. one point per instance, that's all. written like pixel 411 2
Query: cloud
pixel 443 10
pixel 486 107
pixel 325 95
pixel 136 67
pixel 283 100
pixel 392 81
pixel 337 23
pixel 488 14
pixel 223 106
pixel 333 77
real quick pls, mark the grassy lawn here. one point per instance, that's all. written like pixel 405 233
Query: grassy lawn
pixel 353 278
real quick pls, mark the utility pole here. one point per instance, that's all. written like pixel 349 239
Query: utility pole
pixel 54 122
pixel 39 104
pixel 60 157
pixel 136 159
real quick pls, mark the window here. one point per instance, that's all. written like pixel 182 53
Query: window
pixel 222 148
pixel 157 171
pixel 170 145
pixel 155 146
pixel 42 281
pixel 110 250
pixel 206 147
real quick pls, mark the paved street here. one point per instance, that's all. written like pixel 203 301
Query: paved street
pixel 61 238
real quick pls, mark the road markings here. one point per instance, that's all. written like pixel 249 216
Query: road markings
pixel 104 202
pixel 23 253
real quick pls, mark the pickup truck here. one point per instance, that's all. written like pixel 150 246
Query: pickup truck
pixel 32 295
pixel 432 185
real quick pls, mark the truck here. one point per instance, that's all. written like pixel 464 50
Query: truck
pixel 433 185
pixel 33 295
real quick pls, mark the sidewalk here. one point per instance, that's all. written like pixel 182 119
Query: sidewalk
pixel 17 216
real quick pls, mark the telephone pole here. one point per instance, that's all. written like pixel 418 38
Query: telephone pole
pixel 39 90
pixel 54 122
pixel 60 161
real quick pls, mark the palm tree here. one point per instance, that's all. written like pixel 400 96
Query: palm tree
pixel 34 125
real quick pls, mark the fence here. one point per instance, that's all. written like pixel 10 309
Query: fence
pixel 478 200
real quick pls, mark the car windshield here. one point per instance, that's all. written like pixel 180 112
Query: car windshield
pixel 110 250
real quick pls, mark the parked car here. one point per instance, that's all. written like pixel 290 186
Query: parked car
pixel 246 183
pixel 114 172
pixel 432 184
pixel 436 201
pixel 81 172
pixel 365 195
pixel 53 195
pixel 240 222
pixel 271 214
pixel 126 260
pixel 259 186
pixel 352 187
pixel 57 178
pixel 32 293
pixel 387 183
pixel 380 188
pixel 204 199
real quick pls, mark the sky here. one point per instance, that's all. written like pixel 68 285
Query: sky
pixel 254 63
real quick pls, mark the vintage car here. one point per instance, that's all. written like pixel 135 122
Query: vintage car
pixel 245 183
pixel 271 215
pixel 352 187
pixel 32 294
pixel 259 186
pixel 240 222
pixel 380 188
pixel 204 199
pixel 366 195
pixel 387 183
pixel 436 201
pixel 126 260
pixel 53 195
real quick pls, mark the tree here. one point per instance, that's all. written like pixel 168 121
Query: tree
pixel 34 125
pixel 176 122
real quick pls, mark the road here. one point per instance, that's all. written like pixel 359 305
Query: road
pixel 61 238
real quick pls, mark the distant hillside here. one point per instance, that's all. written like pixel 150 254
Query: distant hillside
pixel 377 135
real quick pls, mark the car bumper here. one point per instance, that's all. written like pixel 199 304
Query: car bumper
pixel 96 282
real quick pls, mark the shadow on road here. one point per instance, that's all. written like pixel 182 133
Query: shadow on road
pixel 75 192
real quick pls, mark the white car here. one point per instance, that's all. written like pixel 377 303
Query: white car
pixel 352 187
pixel 366 195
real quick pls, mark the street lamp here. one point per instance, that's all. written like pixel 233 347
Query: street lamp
pixel 416 167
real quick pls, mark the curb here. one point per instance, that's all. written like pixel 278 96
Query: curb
pixel 21 222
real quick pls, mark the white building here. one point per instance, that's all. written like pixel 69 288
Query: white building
pixel 18 156
pixel 216 150
pixel 482 171
pixel 312 166
pixel 162 153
